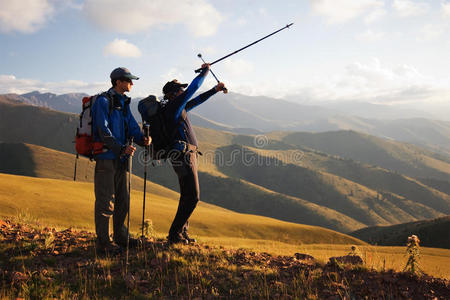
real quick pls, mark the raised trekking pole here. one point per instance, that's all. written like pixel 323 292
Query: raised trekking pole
pixel 233 53
pixel 225 90
pixel 146 134
pixel 130 160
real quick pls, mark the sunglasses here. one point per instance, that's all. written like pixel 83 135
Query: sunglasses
pixel 126 79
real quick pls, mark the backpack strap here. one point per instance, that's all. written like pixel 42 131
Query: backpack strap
pixel 111 98
pixel 177 126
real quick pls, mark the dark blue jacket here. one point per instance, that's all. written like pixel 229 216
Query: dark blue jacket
pixel 176 110
pixel 114 126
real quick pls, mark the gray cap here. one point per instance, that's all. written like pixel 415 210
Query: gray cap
pixel 121 73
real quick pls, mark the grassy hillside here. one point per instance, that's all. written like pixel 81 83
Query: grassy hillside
pixel 400 157
pixel 415 197
pixel 432 233
pixel 66 203
pixel 38 126
pixel 237 195
pixel 325 189
pixel 319 189
pixel 440 185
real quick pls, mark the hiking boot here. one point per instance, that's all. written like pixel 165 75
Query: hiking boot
pixel 133 243
pixel 107 248
pixel 188 238
pixel 177 240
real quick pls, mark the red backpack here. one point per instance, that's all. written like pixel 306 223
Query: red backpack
pixel 84 143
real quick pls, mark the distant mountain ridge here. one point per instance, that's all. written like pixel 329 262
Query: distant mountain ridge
pixel 70 102
pixel 252 115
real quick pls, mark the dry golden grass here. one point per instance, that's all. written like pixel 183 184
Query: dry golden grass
pixel 66 203
pixel 433 261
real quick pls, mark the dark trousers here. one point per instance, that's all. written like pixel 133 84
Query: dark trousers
pixel 111 199
pixel 185 166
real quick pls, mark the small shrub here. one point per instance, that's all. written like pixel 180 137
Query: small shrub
pixel 148 228
pixel 49 239
pixel 413 252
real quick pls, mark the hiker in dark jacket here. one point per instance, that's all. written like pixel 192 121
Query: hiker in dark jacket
pixel 113 124
pixel 185 148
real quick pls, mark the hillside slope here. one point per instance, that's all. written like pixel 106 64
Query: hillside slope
pixel 432 233
pixel 322 192
pixel 71 204
pixel 240 196
pixel 400 157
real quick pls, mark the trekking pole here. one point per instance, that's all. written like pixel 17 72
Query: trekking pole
pixel 146 134
pixel 225 90
pixel 75 170
pixel 130 160
pixel 233 53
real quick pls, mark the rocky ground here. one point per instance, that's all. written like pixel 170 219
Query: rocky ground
pixel 37 262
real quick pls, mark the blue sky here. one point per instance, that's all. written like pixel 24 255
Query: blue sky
pixel 390 51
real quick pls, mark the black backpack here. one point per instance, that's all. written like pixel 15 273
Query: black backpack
pixel 151 110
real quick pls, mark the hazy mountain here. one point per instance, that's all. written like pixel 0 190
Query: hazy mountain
pixel 432 233
pixel 399 157
pixel 368 110
pixel 66 102
pixel 251 115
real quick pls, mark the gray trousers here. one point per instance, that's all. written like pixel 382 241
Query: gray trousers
pixel 111 199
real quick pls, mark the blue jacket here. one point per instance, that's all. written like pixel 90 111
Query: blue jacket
pixel 178 108
pixel 113 128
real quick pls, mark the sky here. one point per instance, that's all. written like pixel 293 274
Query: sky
pixel 381 51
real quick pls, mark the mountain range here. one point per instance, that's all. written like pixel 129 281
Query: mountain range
pixel 251 115
pixel 341 180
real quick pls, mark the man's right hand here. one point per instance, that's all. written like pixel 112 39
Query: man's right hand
pixel 129 150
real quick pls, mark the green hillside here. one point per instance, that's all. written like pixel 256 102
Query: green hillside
pixel 432 233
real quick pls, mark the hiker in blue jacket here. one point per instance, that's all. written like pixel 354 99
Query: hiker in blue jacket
pixel 185 148
pixel 113 124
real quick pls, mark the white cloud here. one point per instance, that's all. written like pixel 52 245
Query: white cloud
pixel 376 82
pixel 12 84
pixel 375 16
pixel 408 8
pixel 200 17
pixel 369 81
pixel 446 9
pixel 172 73
pixel 26 16
pixel 370 36
pixel 121 48
pixel 341 11
pixel 431 32
pixel 237 67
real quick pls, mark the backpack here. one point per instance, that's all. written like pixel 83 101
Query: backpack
pixel 151 110
pixel 84 144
